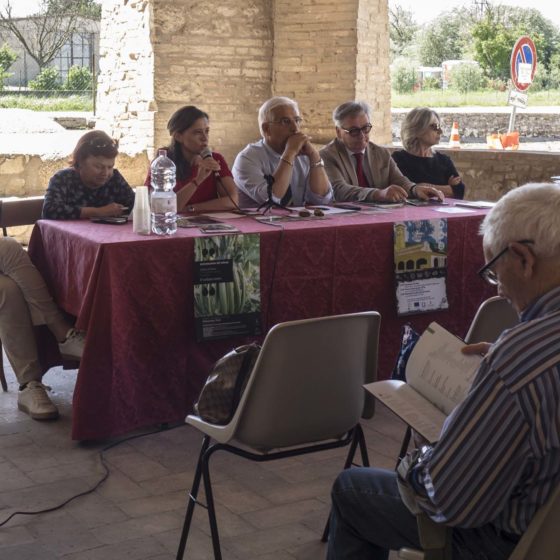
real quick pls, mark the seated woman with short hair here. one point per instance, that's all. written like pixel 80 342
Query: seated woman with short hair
pixel 420 131
pixel 204 181
pixel 91 187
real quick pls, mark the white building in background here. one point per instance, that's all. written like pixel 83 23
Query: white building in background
pixel 81 50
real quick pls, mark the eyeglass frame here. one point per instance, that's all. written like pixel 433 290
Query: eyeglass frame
pixel 435 127
pixel 486 272
pixel 286 121
pixel 355 131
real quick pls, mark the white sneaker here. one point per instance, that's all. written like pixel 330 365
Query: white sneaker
pixel 34 401
pixel 73 347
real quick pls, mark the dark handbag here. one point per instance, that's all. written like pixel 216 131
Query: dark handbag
pixel 224 386
pixel 409 338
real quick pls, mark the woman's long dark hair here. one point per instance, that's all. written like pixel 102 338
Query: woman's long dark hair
pixel 180 120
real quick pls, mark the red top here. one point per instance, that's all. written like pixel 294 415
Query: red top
pixel 208 189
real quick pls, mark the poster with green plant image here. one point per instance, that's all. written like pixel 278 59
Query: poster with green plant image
pixel 227 286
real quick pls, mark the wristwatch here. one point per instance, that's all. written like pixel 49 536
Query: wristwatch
pixel 319 163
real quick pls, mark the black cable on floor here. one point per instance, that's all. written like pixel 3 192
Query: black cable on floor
pixel 100 481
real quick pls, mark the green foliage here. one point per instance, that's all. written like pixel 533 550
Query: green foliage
pixel 495 35
pixel 466 77
pixel 431 83
pixel 403 76
pixel 7 58
pixel 79 79
pixel 402 29
pixel 47 80
pixel 84 8
pixel 444 39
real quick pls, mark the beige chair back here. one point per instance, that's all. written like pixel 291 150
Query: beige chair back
pixel 493 317
pixel 20 211
pixel 307 383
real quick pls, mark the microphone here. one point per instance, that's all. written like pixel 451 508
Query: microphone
pixel 207 153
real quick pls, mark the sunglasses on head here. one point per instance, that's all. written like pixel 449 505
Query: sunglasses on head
pixel 435 127
pixel 98 143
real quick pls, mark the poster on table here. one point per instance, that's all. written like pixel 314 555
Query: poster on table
pixel 420 252
pixel 227 286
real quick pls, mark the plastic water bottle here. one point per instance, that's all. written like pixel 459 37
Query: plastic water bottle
pixel 163 199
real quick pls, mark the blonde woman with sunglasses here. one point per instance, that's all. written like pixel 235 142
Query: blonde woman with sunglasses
pixel 421 130
pixel 91 187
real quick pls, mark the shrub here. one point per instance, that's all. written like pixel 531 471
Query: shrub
pixel 7 58
pixel 403 77
pixel 431 83
pixel 466 77
pixel 79 79
pixel 47 80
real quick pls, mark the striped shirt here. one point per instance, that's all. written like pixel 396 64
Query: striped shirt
pixel 498 458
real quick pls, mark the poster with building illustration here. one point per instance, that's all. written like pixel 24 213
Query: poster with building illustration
pixel 227 286
pixel 420 249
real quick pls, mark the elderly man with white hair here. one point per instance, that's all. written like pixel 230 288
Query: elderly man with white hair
pixel 283 167
pixel 498 457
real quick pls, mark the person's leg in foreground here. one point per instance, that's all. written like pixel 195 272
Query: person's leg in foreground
pixel 24 302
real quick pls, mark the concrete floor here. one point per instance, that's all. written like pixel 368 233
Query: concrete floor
pixel 273 511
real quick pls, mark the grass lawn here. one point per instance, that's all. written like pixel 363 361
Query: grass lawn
pixel 38 103
pixel 484 98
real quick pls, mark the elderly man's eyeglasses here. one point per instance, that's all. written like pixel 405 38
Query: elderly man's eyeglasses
pixel 285 121
pixel 356 131
pixel 486 272
pixel 436 127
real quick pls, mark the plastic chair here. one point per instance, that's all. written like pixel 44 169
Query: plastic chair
pixel 17 212
pixel 491 319
pixel 541 541
pixel 305 394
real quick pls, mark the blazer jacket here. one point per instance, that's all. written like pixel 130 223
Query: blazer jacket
pixel 342 175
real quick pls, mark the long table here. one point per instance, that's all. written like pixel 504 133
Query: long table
pixel 134 296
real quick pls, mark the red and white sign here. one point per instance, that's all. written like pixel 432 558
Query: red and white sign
pixel 523 63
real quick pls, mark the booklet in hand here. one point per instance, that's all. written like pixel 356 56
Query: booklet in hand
pixel 438 377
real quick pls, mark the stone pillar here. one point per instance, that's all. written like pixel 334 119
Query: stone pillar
pixel 327 52
pixel 228 56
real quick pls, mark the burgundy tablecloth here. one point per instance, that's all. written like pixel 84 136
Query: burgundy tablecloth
pixel 142 366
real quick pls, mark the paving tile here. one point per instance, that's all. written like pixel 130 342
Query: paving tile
pixel 267 511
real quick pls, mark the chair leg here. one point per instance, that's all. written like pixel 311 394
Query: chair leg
pixel 2 374
pixel 358 439
pixel 210 504
pixel 192 500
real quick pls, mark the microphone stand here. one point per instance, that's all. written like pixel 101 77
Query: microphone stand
pixel 270 203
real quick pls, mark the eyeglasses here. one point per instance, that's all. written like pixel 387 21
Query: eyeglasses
pixel 436 127
pixel 286 121
pixel 356 131
pixel 486 272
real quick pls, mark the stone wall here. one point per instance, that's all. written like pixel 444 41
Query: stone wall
pixel 476 125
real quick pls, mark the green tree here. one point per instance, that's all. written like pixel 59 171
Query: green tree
pixel 46 32
pixel 445 38
pixel 496 33
pixel 402 29
pixel 7 58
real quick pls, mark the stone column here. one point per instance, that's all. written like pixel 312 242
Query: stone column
pixel 327 52
pixel 228 56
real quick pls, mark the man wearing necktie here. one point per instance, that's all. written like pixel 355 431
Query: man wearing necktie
pixel 360 170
